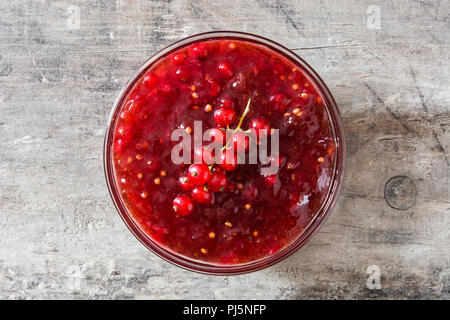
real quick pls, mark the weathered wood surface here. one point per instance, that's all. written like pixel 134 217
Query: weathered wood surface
pixel 61 236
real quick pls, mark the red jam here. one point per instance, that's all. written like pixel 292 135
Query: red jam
pixel 228 213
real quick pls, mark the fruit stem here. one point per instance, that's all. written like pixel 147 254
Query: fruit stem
pixel 227 145
pixel 246 110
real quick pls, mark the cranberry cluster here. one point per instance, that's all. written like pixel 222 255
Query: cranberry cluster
pixel 203 180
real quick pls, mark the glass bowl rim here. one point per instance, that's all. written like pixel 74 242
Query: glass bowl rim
pixel 320 216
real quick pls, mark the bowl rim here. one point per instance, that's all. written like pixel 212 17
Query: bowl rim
pixel 316 222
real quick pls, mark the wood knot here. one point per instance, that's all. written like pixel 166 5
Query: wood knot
pixel 400 192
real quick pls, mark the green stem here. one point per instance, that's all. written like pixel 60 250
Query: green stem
pixel 246 110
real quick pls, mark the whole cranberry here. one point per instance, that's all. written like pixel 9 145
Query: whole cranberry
pixel 260 123
pixel 183 205
pixel 226 102
pixel 206 156
pixel 269 181
pixel 199 173
pixel 185 183
pixel 215 134
pixel 178 58
pixel 218 181
pixel 202 195
pixel 199 51
pixel 225 69
pixel 217 169
pixel 240 141
pixel 226 165
pixel 150 80
pixel 224 116
pixel 126 132
pixel 182 74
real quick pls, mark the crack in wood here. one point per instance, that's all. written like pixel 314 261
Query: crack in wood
pixel 389 110
pixel 425 108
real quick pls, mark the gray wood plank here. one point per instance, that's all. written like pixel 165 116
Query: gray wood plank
pixel 61 236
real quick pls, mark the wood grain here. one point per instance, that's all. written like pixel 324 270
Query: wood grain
pixel 61 236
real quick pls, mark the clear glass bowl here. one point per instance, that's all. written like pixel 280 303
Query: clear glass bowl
pixel 320 216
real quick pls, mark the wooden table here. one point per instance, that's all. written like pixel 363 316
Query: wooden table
pixel 62 64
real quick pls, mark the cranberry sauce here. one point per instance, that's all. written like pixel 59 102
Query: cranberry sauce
pixel 228 213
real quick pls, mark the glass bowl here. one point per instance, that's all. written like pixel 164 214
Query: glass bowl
pixel 320 216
